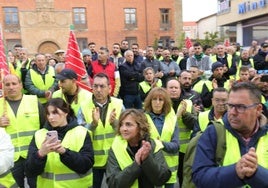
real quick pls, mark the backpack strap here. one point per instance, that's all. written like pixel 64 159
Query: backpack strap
pixel 221 142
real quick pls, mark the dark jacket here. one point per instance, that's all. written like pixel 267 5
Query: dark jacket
pixel 32 89
pixel 259 61
pixel 154 63
pixel 232 69
pixel 152 172
pixel 130 75
pixel 205 167
pixel 80 162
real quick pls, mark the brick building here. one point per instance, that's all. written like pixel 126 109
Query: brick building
pixel 44 25
pixel 249 17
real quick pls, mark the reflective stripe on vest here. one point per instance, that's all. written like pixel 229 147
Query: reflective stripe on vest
pixel 233 154
pixel 119 148
pixel 56 174
pixel 23 125
pixel 7 180
pixel 40 84
pixel 102 136
pixel 184 132
pixel 62 177
pixel 166 135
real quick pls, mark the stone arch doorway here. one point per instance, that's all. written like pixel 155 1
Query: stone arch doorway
pixel 48 47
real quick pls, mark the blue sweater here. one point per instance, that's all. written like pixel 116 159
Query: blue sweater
pixel 206 173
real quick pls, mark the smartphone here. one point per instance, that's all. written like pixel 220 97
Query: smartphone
pixel 264 78
pixel 52 135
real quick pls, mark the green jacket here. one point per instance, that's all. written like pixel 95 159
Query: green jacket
pixel 152 172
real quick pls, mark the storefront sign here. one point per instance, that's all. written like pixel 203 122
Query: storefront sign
pixel 250 6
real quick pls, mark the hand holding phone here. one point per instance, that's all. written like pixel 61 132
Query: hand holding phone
pixel 52 136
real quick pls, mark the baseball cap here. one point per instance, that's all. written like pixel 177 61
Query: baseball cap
pixel 264 44
pixel 86 52
pixel 66 74
pixel 216 65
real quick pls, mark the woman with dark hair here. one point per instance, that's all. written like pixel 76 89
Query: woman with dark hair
pixel 61 154
pixel 164 127
pixel 135 160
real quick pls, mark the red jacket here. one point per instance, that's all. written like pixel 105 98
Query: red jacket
pixel 109 69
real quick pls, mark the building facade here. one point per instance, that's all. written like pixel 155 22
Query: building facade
pixel 248 16
pixel 44 25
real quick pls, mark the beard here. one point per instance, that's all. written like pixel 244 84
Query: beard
pixel 174 56
pixel 115 53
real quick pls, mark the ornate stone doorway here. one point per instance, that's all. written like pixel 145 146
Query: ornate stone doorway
pixel 48 47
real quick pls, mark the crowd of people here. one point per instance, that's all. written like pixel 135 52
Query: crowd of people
pixel 133 127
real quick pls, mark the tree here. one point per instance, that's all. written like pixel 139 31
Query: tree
pixel 211 38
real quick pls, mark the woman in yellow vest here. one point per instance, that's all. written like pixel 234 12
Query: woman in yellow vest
pixel 135 160
pixel 164 127
pixel 66 158
pixel 150 81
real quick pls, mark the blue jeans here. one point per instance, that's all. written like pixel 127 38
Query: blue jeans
pixel 132 101
pixel 97 177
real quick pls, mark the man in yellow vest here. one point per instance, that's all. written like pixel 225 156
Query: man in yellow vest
pixel 217 79
pixel 70 91
pixel 186 119
pixel 219 100
pixel 227 60
pixel 21 115
pixel 100 114
pixel 40 79
pixel 245 161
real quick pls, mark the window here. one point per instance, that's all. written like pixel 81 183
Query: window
pixel 11 43
pixel 79 18
pixel 165 19
pixel 131 40
pixel 82 43
pixel 130 18
pixel 11 17
pixel 166 41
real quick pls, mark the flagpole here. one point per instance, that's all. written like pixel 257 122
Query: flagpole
pixel 4 70
pixel 74 61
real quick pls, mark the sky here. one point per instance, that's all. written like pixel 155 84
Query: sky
pixel 193 10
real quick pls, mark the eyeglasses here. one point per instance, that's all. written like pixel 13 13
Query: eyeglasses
pixel 240 108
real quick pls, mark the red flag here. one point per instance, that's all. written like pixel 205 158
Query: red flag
pixel 188 43
pixel 74 61
pixel 3 63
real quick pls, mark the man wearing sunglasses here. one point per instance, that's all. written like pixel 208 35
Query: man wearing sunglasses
pixel 245 162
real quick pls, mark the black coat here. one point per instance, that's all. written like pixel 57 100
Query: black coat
pixel 80 162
